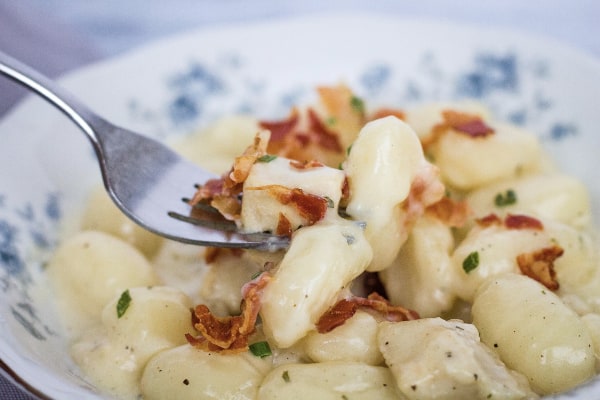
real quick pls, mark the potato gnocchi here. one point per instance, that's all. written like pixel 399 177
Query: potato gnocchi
pixel 435 253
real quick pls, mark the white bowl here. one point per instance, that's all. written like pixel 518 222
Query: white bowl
pixel 180 84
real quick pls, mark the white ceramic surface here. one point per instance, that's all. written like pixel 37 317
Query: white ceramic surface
pixel 181 84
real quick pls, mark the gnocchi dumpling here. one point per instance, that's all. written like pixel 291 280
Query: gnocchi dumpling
pixel 320 263
pixel 549 196
pixel 135 325
pixel 492 250
pixel 468 162
pixel 332 380
pixel 355 340
pixel 185 372
pixel 534 333
pixel 384 162
pixel 422 278
pixel 103 215
pixel 89 269
pixel 435 359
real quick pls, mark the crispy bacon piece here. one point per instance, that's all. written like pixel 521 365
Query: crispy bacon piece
pixel 284 226
pixel 346 308
pixel 426 189
pixel 489 220
pixel 337 315
pixel 450 212
pixel 223 193
pixel 321 134
pixel 471 125
pixel 243 164
pixel 229 334
pixel 511 221
pixel 310 206
pixel 539 265
pixel 386 112
pixel 516 221
pixel 304 136
pixel 280 129
pixel 388 311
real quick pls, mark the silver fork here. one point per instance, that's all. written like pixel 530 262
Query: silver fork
pixel 144 178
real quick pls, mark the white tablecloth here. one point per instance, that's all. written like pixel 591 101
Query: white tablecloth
pixel 56 36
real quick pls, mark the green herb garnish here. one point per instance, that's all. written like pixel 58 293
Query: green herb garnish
pixel 266 158
pixel 285 376
pixel 357 104
pixel 505 199
pixel 348 149
pixel 260 349
pixel 471 262
pixel 123 303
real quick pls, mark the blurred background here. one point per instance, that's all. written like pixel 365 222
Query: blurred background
pixel 58 36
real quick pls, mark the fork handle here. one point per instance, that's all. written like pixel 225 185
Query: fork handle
pixel 27 76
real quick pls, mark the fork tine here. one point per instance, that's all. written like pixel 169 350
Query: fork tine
pixel 222 225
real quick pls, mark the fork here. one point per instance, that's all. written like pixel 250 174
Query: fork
pixel 144 178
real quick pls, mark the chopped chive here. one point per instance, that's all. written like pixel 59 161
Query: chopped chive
pixel 348 149
pixel 266 158
pixel 471 262
pixel 285 376
pixel 331 121
pixel 260 349
pixel 255 275
pixel 123 303
pixel 505 199
pixel 357 104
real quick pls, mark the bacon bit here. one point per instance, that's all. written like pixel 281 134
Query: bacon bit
pixel 470 124
pixel 539 265
pixel 386 112
pixel 243 164
pixel 346 308
pixel 337 315
pixel 212 253
pixel 280 129
pixel 390 312
pixel 450 212
pixel 515 221
pixel 284 227
pixel 323 136
pixel 229 334
pixel 223 193
pixel 208 190
pixel 228 206
pixel 302 165
pixel 489 220
pixel 475 128
pixel 310 207
pixel 426 189
pixel 511 221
